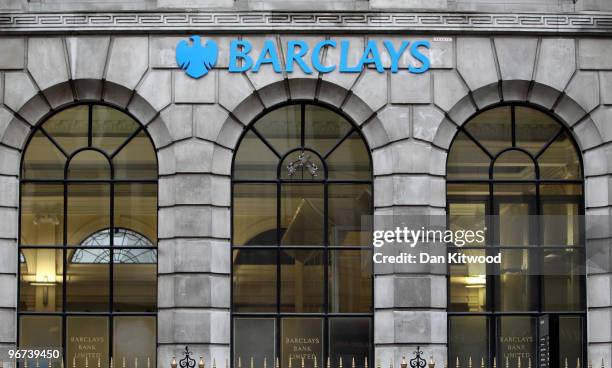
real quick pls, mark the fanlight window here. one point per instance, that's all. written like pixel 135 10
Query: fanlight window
pixel 86 168
pixel 302 202
pixel 516 171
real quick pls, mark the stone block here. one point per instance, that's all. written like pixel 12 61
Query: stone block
pixel 331 93
pixel 437 161
pixel 47 61
pixel 411 157
pixel 384 292
pixel 425 122
pixel 9 161
pixel 230 133
pixel 599 291
pixel 599 251
pixel 374 133
pixel 9 187
pixel 8 291
pixel 596 191
pixel 599 352
pixel 156 89
pixel 16 133
pixel 487 96
pixel 274 94
pixel 587 134
pixel 193 290
pixel 233 89
pixel 569 111
pixel 515 90
pixel 193 155
pixel 462 111
pixel 128 60
pixel 192 221
pixel 597 161
pixel 419 291
pixel 543 96
pixel 221 223
pixel 384 327
pixel 606 87
pixel 87 56
pixel 195 256
pixel 18 89
pixel 600 325
pixel 396 121
pixel 158 130
pixel 88 89
pixel 382 160
pixel 372 89
pixel 445 134
pixel 193 326
pixel 416 327
pixel 8 330
pixel 556 62
pixel 141 109
pixel 448 89
pixel 12 53
pixel 178 120
pixel 357 109
pixel 595 53
pixel 516 57
pixel 248 109
pixel 222 161
pixel 601 117
pixel 163 49
pixel 59 95
pixel 476 61
pixel 8 256
pixel 582 90
pixel 116 94
pixel 302 89
pixel 198 189
pixel 191 90
pixel 410 88
pixel 208 121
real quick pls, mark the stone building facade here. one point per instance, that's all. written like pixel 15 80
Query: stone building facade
pixel 556 55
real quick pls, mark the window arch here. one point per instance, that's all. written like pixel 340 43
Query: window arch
pixel 87 172
pixel 301 238
pixel 516 171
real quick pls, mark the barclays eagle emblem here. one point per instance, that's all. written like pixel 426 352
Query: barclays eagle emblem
pixel 196 60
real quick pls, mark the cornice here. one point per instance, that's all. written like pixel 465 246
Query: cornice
pixel 324 22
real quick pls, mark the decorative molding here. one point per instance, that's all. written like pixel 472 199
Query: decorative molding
pixel 371 22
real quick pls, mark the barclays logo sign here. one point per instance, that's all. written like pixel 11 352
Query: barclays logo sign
pixel 197 59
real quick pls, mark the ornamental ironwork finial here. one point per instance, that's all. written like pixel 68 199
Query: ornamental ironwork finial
pixel 303 161
pixel 418 361
pixel 187 361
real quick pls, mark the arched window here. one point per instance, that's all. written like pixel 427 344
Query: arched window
pixel 301 239
pixel 89 171
pixel 516 171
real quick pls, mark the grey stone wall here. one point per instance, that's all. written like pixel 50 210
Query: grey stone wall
pixel 408 121
pixel 312 5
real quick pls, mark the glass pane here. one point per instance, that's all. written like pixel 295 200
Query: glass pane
pixel 87 337
pixel 514 205
pixel 135 280
pixel 517 286
pixel 323 128
pixel 41 331
pixel 41 274
pixel 137 160
pixel 88 210
pixel 350 281
pixel 135 337
pixel 110 128
pixel 256 338
pixel 302 214
pixel 350 214
pixel 468 338
pixel 282 128
pixel 533 129
pixel 468 285
pixel 69 128
pixel 560 160
pixel 42 214
pixel 561 221
pixel 571 339
pixel 254 160
pixel 302 281
pixel 254 214
pixel 87 282
pixel 514 165
pixel 467 208
pixel 466 160
pixel 350 338
pixel 302 165
pixel 89 165
pixel 136 209
pixel 516 338
pixel 350 160
pixel 254 280
pixel 563 271
pixel 302 338
pixel 492 129
pixel 42 160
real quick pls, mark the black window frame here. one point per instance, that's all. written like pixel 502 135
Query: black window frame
pixel 492 315
pixel 326 248
pixel 110 313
